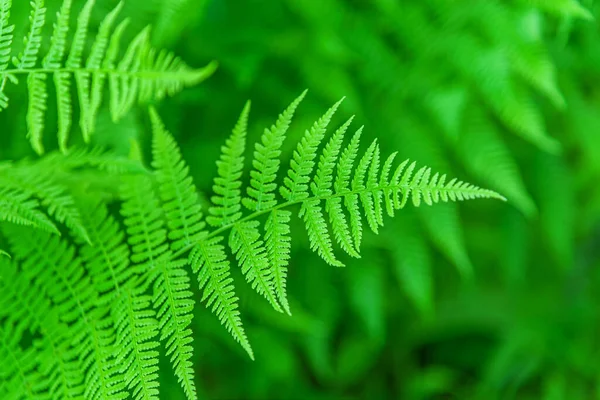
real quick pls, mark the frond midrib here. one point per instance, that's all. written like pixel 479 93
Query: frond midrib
pixel 144 74
pixel 407 188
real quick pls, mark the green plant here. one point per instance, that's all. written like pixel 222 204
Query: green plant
pixel 500 92
pixel 123 289
pixel 140 74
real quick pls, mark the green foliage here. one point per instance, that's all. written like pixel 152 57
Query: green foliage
pixel 104 258
pixel 140 74
pixel 114 322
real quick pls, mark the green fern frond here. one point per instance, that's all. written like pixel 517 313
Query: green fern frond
pixel 342 181
pixel 364 190
pixel 209 262
pixel 296 181
pixel 19 377
pixel 105 256
pixel 174 304
pixel 6 38
pixel 143 219
pixel 226 204
pixel 27 309
pixel 278 243
pixel 171 289
pixel 179 197
pixel 266 161
pixel 250 252
pixel 100 310
pixel 136 329
pixel 19 208
pixel 318 233
pixel 51 262
pixel 38 182
pixel 141 74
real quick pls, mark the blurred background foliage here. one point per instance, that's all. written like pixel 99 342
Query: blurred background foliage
pixel 482 300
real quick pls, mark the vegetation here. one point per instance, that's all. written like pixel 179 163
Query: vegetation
pixel 133 266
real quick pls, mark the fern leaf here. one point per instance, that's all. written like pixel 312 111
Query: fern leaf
pixel 53 60
pixel 174 304
pixel 37 181
pixel 171 294
pixel 20 304
pixel 371 199
pixel 363 191
pixel 94 158
pixel 18 375
pixel 136 329
pixel 209 262
pixel 297 179
pixel 341 185
pixel 58 361
pixel 6 34
pixel 323 179
pixel 38 98
pixel 33 40
pixel 74 60
pixel 318 234
pixel 35 81
pixel 25 308
pixel 52 263
pixel 358 185
pixel 143 219
pixel 278 245
pixel 106 256
pixel 98 53
pixel 226 204
pixel 266 161
pixel 179 198
pixel 141 74
pixel 126 86
pixel 6 39
pixel 250 252
pixel 17 207
pixel 339 226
